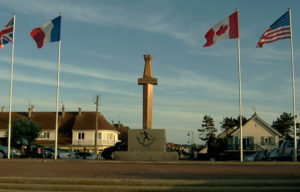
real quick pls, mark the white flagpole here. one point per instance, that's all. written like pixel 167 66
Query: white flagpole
pixel 293 81
pixel 10 92
pixel 57 98
pixel 240 92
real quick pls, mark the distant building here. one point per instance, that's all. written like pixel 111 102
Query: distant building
pixel 76 130
pixel 123 136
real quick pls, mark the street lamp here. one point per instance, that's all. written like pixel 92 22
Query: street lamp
pixel 190 134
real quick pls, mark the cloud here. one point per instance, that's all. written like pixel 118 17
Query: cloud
pixel 72 69
pixel 99 13
pixel 91 86
pixel 185 79
pixel 219 51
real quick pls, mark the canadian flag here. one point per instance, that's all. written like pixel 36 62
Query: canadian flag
pixel 226 29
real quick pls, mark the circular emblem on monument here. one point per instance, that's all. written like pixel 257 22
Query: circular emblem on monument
pixel 145 139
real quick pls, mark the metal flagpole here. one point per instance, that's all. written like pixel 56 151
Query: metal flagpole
pixel 240 91
pixel 10 92
pixel 293 81
pixel 57 97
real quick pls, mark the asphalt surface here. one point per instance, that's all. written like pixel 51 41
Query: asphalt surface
pixel 148 170
pixel 89 175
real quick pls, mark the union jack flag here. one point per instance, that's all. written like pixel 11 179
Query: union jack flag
pixel 6 35
pixel 280 29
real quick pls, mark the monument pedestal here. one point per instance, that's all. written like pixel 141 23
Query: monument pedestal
pixel 146 145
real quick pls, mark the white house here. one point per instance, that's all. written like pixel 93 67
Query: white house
pixel 257 135
pixel 83 132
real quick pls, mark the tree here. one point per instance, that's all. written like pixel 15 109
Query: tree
pixel 230 122
pixel 208 128
pixel 24 129
pixel 215 146
pixel 284 124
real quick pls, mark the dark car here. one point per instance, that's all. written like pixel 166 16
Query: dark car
pixel 86 155
pixel 36 151
pixel 48 152
pixel 287 149
pixel 109 152
pixel 18 150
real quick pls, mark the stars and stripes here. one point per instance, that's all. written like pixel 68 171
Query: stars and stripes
pixel 6 35
pixel 280 29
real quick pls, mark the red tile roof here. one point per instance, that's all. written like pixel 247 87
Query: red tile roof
pixel 4 118
pixel 87 121
pixel 70 121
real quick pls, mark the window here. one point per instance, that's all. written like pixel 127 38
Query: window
pixel 99 136
pixel 46 135
pixel 81 136
pixel 268 140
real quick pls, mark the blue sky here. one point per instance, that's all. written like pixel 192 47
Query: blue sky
pixel 103 43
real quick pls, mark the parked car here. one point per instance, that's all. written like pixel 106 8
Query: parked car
pixel 257 156
pixel 70 154
pixel 287 149
pixel 4 152
pixel 109 152
pixel 274 154
pixel 49 152
pixel 36 151
pixel 65 154
pixel 86 155
pixel 15 151
pixel 251 157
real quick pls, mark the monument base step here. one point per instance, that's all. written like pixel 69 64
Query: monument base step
pixel 145 156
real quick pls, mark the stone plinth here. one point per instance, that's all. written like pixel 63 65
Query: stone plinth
pixel 146 145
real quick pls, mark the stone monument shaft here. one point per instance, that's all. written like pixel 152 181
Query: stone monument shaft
pixel 147 81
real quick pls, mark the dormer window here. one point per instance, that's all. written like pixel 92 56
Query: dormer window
pixel 81 136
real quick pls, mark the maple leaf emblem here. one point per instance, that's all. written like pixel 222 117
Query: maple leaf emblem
pixel 222 30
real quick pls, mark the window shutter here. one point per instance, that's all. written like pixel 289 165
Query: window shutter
pixel 236 143
pixel 251 140
pixel 262 139
pixel 272 140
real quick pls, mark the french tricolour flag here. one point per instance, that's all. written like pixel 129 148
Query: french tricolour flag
pixel 49 32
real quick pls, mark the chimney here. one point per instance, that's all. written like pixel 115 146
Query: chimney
pixel 112 122
pixel 29 112
pixel 63 112
pixel 3 109
pixel 79 111
pixel 119 124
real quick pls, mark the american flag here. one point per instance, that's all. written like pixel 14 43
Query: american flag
pixel 280 29
pixel 6 35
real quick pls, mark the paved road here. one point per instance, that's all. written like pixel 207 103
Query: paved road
pixel 148 170
pixel 84 175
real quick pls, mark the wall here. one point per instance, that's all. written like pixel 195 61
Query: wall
pixel 3 133
pixel 51 135
pixel 89 137
pixel 256 129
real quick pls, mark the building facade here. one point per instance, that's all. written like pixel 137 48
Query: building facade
pixel 76 130
pixel 257 135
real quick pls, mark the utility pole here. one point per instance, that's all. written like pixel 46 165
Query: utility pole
pixel 96 128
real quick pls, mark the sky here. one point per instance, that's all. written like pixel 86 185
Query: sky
pixel 102 48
